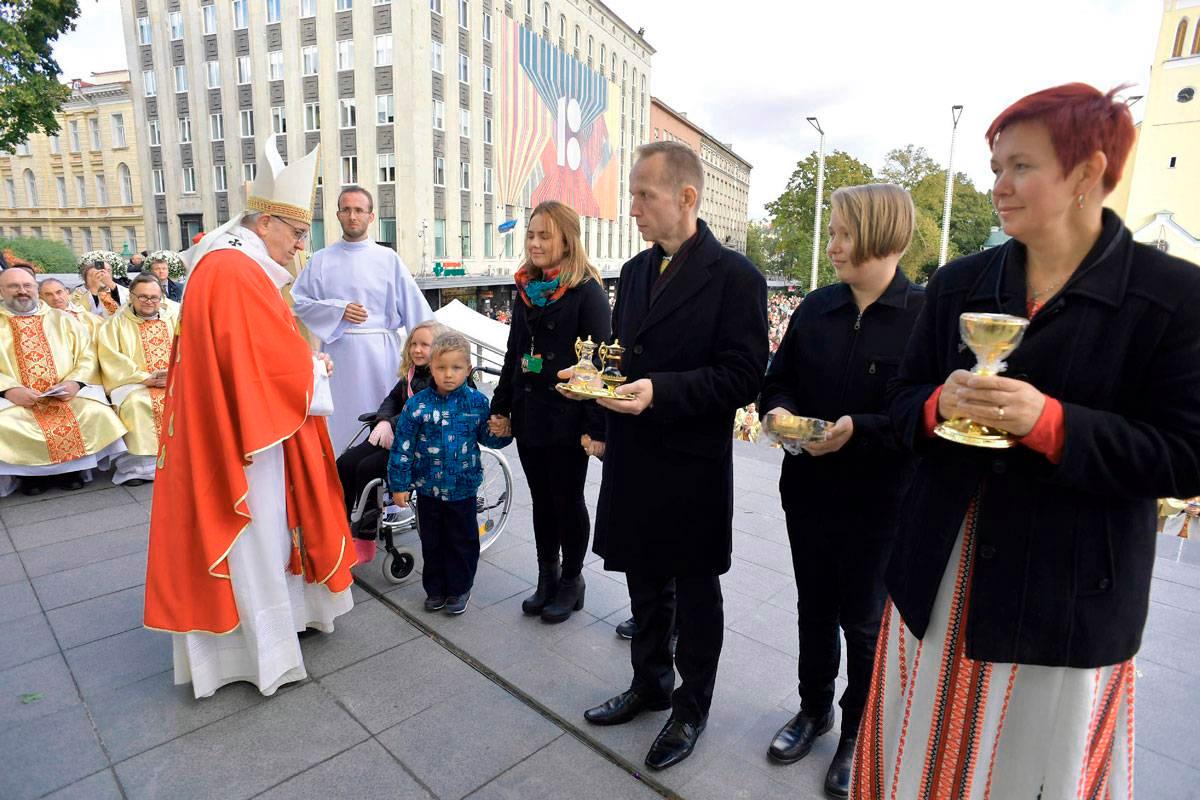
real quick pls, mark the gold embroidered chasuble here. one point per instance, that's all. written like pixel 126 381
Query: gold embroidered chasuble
pixel 130 348
pixel 39 351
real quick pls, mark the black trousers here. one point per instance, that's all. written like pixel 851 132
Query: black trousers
pixel 839 564
pixel 358 466
pixel 694 605
pixel 449 545
pixel 556 475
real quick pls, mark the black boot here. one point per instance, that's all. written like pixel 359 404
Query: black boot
pixel 568 599
pixel 548 576
pixel 837 779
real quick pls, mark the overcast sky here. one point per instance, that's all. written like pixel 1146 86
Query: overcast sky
pixel 878 74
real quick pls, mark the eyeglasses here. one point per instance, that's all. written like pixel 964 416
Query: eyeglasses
pixel 298 235
pixel 351 212
pixel 148 298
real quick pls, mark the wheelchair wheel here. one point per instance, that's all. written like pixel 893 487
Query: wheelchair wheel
pixel 495 497
pixel 398 565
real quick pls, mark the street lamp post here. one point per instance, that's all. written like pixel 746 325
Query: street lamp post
pixel 955 112
pixel 816 254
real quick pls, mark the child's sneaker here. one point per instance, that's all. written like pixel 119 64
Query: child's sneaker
pixel 435 602
pixel 457 604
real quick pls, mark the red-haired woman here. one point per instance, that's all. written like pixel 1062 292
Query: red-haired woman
pixel 1020 578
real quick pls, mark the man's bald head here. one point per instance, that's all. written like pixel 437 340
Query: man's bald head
pixel 54 293
pixel 18 290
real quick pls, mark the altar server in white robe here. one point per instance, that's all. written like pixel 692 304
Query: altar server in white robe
pixel 354 296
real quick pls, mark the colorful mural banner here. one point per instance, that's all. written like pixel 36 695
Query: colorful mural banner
pixel 555 123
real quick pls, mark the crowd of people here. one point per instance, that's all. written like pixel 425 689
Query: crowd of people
pixel 991 598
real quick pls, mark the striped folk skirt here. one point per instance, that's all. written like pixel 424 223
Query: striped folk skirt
pixel 939 726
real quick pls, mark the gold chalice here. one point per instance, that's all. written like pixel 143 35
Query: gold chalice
pixel 991 337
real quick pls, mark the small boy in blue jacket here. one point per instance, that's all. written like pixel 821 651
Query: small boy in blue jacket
pixel 435 453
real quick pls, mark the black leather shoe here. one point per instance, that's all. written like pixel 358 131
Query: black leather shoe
pixel 795 739
pixel 547 586
pixel 837 779
pixel 675 742
pixel 32 487
pixel 134 482
pixel 568 599
pixel 71 481
pixel 627 629
pixel 622 708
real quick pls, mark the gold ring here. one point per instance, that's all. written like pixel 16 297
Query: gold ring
pixel 1000 412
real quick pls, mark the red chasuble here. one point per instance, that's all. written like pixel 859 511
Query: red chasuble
pixel 240 381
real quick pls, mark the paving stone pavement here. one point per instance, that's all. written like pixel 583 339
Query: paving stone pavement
pixel 404 704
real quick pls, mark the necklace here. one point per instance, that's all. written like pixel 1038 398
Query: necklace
pixel 1044 292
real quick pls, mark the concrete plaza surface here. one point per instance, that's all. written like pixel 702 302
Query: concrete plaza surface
pixel 404 704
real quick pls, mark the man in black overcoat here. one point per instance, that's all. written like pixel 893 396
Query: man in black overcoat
pixel 692 316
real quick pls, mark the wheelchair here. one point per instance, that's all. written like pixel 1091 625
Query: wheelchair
pixel 398 527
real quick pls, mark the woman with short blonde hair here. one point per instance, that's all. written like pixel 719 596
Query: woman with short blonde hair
pixel 841 497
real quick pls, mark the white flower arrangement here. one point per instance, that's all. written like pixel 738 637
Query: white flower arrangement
pixel 175 268
pixel 120 267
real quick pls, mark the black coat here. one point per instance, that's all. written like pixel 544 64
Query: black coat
pixel 1064 552
pixel 393 404
pixel 540 415
pixel 666 498
pixel 833 362
pixel 174 291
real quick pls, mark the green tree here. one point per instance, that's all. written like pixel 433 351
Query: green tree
pixel 44 254
pixel 971 218
pixel 907 166
pixel 793 213
pixel 30 94
pixel 757 245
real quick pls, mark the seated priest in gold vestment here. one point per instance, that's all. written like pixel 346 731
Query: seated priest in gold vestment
pixel 55 423
pixel 55 294
pixel 134 348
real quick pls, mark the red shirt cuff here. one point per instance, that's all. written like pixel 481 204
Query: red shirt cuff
pixel 1049 433
pixel 931 411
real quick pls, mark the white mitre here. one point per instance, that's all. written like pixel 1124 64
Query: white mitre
pixel 280 190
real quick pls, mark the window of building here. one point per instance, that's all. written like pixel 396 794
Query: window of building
pixel 488 245
pixel 578 37
pixel 68 238
pixel 603 50
pixel 55 144
pixel 22 149
pixel 10 189
pixel 118 130
pixel 243 70
pixel 347 113
pixel 345 5
pixel 160 182
pixel 219 183
pixel 274 12
pixel 308 8
pixel 439 238
pixel 464 68
pixel 101 191
pixel 310 60
pixel 435 6
pixel 87 239
pixel 1171 163
pixel 106 238
pixel 312 116
pixel 241 15
pixel 465 238
pixel 80 192
pixel 345 54
pixel 387 167
pixel 208 16
pixel 383 50
pixel 175 22
pixel 487 27
pixel 189 180
pixel 435 53
pixel 181 81
pixel 155 136
pixel 349 170
pixel 464 11
pixel 487 130
pixel 249 172
pixel 439 115
pixel 94 132
pixel 73 129
pixel 385 109
pixel 246 116
pixel 278 120
pixel 130 239
pixel 125 180
pixel 145 36
pixel 487 180
pixel 464 122
pixel 60 184
pixel 464 172
pixel 487 79
pixel 1180 38
pixel 275 65
pixel 546 16
pixel 216 127
pixel 439 171
pixel 185 130
pixel 150 83
pixel 562 28
pixel 387 229
pixel 212 70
